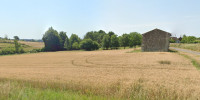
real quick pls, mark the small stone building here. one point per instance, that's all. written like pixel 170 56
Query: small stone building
pixel 156 41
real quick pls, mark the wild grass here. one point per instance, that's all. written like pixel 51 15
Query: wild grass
pixel 194 47
pixel 165 62
pixel 134 51
pixel 17 91
pixel 194 61
pixel 24 90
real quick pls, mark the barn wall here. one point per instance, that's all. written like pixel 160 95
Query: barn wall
pixel 155 41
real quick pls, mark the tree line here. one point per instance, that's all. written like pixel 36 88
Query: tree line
pixel 93 40
pixel 186 39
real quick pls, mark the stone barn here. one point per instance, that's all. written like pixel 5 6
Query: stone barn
pixel 155 41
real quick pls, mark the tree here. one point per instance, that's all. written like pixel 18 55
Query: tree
pixel 114 42
pixel 124 40
pixel 188 39
pixel 74 38
pixel 90 35
pixel 110 34
pixel 52 40
pixel 89 45
pixel 95 35
pixel 105 42
pixel 16 37
pixel 135 39
pixel 75 46
pixel 18 48
pixel 67 44
pixel 191 39
pixel 184 39
pixel 63 37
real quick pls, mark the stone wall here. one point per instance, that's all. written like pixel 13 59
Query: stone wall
pixel 156 41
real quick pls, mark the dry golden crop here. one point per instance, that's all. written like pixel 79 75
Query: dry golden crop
pixel 113 69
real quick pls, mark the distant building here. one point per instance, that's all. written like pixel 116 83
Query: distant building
pixel 156 41
pixel 177 40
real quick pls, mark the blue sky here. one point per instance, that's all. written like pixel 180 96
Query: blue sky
pixel 31 18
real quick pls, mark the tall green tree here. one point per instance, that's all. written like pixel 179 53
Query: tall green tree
pixel 135 39
pixel 52 40
pixel 184 39
pixel 63 37
pixel 110 34
pixel 18 48
pixel 105 42
pixel 67 44
pixel 95 35
pixel 114 42
pixel 124 40
pixel 16 38
pixel 90 35
pixel 74 38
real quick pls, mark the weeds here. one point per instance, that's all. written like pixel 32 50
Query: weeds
pixel 165 62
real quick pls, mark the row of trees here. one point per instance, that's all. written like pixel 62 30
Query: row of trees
pixel 190 39
pixel 55 41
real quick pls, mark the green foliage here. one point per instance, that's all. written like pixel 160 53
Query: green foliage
pixel 135 39
pixel 105 42
pixel 114 42
pixel 63 37
pixel 75 46
pixel 111 33
pixel 74 39
pixel 67 44
pixel 16 37
pixel 7 51
pixel 172 40
pixel 191 39
pixel 95 36
pixel 18 48
pixel 89 45
pixel 52 40
pixel 124 40
pixel 188 39
pixel 37 50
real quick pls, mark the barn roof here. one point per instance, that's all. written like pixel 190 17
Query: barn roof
pixel 157 30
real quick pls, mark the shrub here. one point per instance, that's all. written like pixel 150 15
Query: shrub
pixel 7 51
pixel 89 45
pixel 75 46
pixel 36 50
pixel 165 62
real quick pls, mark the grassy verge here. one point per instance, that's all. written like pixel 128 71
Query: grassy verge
pixel 194 61
pixel 136 50
pixel 15 91
pixel 193 47
pixel 27 90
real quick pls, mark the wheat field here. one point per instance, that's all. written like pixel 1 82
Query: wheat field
pixel 111 72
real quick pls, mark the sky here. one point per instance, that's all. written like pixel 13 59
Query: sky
pixel 29 19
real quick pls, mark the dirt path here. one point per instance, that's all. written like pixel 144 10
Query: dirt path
pixel 185 50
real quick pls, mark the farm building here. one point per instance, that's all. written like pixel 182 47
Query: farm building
pixel 155 41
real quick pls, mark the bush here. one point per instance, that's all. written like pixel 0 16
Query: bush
pixel 89 45
pixel 7 51
pixel 75 46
